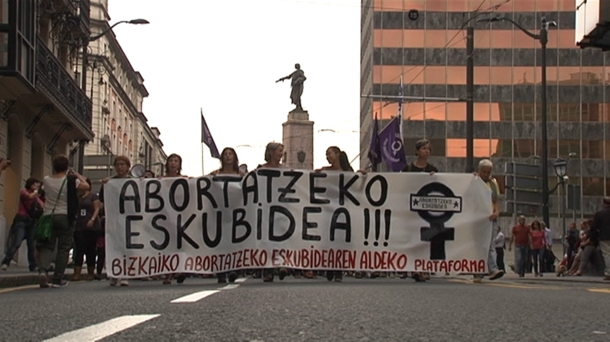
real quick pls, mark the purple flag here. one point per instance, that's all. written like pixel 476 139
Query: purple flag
pixel 375 147
pixel 392 149
pixel 206 138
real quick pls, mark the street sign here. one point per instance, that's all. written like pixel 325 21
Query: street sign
pixel 522 209
pixel 526 196
pixel 517 182
pixel 573 197
pixel 523 169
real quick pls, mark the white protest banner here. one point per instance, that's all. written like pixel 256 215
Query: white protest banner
pixel 298 219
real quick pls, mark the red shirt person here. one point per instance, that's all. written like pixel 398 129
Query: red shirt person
pixel 538 247
pixel 521 237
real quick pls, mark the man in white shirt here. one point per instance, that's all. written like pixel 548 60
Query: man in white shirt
pixel 484 173
pixel 499 243
pixel 549 256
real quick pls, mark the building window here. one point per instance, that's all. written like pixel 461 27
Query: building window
pixel 482 147
pixel 593 186
pixel 3 11
pixel 3 49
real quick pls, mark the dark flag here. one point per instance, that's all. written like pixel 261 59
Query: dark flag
pixel 206 138
pixel 375 146
pixel 392 149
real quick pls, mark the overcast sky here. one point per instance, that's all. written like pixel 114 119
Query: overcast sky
pixel 224 56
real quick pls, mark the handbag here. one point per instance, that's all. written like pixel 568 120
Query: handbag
pixel 44 226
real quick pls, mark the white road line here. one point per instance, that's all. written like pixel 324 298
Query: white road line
pixel 240 280
pixel 102 330
pixel 194 297
pixel 230 287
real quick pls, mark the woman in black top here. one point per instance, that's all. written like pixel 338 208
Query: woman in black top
pixel 423 149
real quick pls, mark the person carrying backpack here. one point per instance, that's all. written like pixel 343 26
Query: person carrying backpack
pixel 31 206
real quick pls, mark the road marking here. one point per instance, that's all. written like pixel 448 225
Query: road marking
pixel 194 297
pixel 102 330
pixel 230 287
pixel 19 288
pixel 515 286
pixel 538 287
pixel 240 280
pixel 599 290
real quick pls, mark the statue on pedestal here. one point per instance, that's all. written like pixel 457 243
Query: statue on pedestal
pixel 297 82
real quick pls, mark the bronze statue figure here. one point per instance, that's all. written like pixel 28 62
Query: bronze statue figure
pixel 297 82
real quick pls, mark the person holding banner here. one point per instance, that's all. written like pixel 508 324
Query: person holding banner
pixel 338 162
pixel 485 169
pixel 122 165
pixel 173 169
pixel 274 152
pixel 229 165
pixel 423 150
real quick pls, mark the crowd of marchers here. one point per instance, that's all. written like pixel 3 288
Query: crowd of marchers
pixel 78 224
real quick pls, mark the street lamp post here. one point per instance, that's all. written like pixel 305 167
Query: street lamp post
pixel 543 38
pixel 98 36
pixel 81 147
pixel 561 170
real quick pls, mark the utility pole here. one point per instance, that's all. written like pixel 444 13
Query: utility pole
pixel 470 98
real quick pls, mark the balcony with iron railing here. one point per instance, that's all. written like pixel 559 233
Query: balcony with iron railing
pixel 53 80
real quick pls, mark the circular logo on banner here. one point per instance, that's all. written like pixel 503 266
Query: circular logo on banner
pixel 435 202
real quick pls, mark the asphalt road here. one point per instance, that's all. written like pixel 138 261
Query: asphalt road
pixel 309 310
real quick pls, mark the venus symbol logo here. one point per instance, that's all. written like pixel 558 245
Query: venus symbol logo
pixel 436 203
pixel 392 148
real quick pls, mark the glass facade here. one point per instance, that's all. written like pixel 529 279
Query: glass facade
pixel 429 52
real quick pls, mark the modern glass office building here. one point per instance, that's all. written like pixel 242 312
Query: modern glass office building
pixel 425 42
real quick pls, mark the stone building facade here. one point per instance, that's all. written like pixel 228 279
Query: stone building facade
pixel 43 111
pixel 117 91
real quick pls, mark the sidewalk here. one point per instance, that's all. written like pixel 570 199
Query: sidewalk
pixel 547 278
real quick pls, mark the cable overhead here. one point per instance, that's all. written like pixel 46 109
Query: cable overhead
pixel 448 45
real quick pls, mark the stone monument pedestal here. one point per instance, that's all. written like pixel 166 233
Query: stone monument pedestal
pixel 297 137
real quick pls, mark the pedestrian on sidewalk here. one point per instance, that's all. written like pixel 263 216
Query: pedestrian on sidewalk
pixel 500 244
pixel 538 247
pixel 549 257
pixel 521 237
pixel 30 208
pixel 601 231
pixel 62 203
pixel 573 241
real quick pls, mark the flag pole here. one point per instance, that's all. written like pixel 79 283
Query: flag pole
pixel 202 171
pixel 400 108
pixel 202 149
